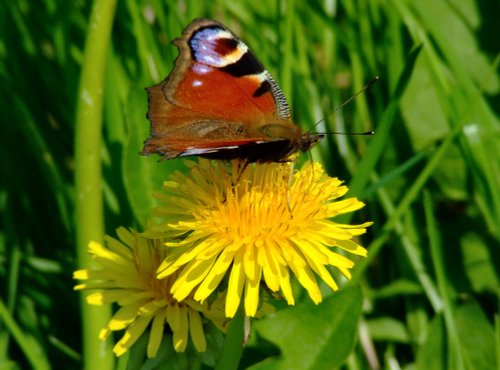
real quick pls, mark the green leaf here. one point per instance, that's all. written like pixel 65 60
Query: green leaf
pixel 476 337
pixel 388 328
pixel 479 262
pixel 432 354
pixel 454 26
pixel 313 337
pixel 398 287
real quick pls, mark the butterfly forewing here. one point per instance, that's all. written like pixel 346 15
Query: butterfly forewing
pixel 219 102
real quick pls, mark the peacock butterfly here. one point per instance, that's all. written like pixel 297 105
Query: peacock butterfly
pixel 220 103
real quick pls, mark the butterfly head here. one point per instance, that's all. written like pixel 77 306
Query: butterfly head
pixel 307 141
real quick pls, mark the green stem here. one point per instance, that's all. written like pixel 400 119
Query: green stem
pixel 233 344
pixel 88 182
pixel 455 357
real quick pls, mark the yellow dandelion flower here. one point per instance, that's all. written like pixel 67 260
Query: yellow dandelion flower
pixel 254 226
pixel 128 277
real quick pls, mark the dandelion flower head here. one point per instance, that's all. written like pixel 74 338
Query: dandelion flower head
pixel 254 226
pixel 127 276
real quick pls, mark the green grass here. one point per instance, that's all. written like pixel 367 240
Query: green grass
pixel 430 176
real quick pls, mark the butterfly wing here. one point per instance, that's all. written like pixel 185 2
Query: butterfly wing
pixel 218 97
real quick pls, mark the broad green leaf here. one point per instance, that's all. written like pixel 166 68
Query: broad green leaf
pixel 423 116
pixel 479 262
pixel 454 26
pixel 476 337
pixel 432 353
pixel 389 329
pixel 310 336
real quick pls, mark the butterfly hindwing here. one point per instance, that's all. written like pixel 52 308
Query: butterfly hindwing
pixel 219 101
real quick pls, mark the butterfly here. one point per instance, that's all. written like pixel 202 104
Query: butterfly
pixel 220 102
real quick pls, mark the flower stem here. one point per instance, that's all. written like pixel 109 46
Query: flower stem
pixel 88 182
pixel 233 344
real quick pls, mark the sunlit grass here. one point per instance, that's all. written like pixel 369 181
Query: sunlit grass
pixel 430 176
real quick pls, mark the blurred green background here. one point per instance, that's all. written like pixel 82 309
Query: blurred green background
pixel 430 176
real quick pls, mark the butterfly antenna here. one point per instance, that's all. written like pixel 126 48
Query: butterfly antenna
pixel 366 87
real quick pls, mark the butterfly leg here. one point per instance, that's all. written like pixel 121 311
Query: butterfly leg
pixel 290 180
pixel 242 166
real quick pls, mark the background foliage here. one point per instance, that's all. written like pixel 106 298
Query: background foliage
pixel 430 176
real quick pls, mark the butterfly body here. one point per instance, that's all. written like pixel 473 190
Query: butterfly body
pixel 219 102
